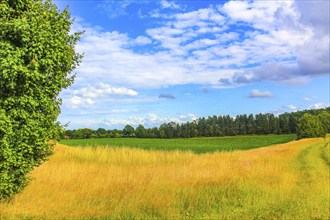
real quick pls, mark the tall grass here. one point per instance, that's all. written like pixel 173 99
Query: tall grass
pixel 285 181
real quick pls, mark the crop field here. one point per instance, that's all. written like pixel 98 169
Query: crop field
pixel 286 181
pixel 197 145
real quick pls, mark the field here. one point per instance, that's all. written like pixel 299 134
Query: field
pixel 289 181
pixel 197 145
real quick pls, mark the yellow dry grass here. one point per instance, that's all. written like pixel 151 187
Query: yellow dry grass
pixel 283 181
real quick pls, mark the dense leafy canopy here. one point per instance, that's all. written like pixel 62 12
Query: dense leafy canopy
pixel 128 131
pixel 310 126
pixel 37 56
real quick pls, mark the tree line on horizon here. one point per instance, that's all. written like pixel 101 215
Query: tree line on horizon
pixel 306 123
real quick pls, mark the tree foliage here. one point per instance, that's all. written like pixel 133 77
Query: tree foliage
pixel 128 131
pixel 37 56
pixel 324 118
pixel 215 126
pixel 310 126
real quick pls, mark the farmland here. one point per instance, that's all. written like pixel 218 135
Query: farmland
pixel 197 145
pixel 283 181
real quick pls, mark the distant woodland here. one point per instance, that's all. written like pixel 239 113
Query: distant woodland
pixel 307 123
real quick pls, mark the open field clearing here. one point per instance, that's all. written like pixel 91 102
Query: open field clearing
pixel 197 145
pixel 283 181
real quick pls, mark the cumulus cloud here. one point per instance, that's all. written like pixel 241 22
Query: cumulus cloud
pixel 188 117
pixel 283 42
pixel 169 4
pixel 149 120
pixel 242 11
pixel 103 89
pixel 142 40
pixel 292 107
pixel 78 102
pixel 166 96
pixel 318 105
pixel 255 93
pixel 108 59
pixel 87 96
pixel 297 33
pixel 272 71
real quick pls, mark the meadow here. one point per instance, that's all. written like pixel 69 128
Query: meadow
pixel 196 145
pixel 287 181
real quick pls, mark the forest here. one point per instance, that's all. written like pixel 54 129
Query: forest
pixel 217 126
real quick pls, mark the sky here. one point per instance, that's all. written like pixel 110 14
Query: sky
pixel 150 62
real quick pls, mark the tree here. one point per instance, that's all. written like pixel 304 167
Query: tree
pixel 86 133
pixel 251 125
pixel 273 124
pixel 284 123
pixel 140 131
pixel 128 131
pixel 262 124
pixel 309 126
pixel 101 132
pixel 293 123
pixel 324 118
pixel 37 57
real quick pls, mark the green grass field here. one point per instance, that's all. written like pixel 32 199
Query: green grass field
pixel 197 145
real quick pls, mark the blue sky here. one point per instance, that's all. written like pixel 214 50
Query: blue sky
pixel 151 62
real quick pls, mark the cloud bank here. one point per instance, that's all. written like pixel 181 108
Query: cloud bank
pixel 276 41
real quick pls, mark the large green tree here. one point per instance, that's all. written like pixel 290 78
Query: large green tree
pixel 324 118
pixel 310 126
pixel 37 57
pixel 128 131
pixel 140 131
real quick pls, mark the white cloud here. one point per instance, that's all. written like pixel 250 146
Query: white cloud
pixel 188 117
pixel 267 16
pixel 134 121
pixel 78 102
pixel 293 46
pixel 292 107
pixel 169 4
pixel 87 96
pixel 255 93
pixel 318 105
pixel 201 43
pixel 200 47
pixel 108 58
pixel 150 120
pixel 240 10
pixel 103 89
pixel 142 40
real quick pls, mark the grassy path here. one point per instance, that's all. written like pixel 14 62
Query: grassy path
pixel 286 181
pixel 314 177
